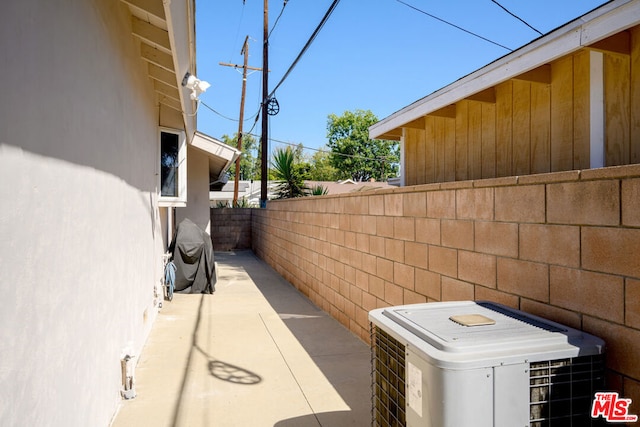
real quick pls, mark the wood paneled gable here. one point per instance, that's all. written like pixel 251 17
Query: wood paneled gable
pixel 569 100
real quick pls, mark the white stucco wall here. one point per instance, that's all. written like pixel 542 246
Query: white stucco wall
pixel 80 235
pixel 197 209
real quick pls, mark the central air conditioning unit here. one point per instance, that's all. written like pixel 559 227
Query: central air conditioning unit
pixel 481 364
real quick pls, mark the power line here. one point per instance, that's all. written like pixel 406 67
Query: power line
pixel 516 16
pixel 454 25
pixel 306 46
pixel 228 118
pixel 239 24
pixel 354 156
pixel 255 116
pixel 218 113
pixel 278 18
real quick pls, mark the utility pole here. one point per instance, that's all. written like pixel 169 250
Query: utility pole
pixel 264 139
pixel 245 67
pixel 245 52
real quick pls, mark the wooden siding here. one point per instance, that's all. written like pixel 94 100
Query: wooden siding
pixel 562 113
pixel 634 102
pixel 617 112
pixel 531 126
pixel 504 129
pixel 581 128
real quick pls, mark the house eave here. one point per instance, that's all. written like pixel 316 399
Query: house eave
pixel 582 32
pixel 166 31
pixel 221 156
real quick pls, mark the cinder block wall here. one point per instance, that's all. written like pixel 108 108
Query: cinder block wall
pixel 231 228
pixel 565 246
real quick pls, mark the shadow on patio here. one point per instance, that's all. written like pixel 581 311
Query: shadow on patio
pixel 257 353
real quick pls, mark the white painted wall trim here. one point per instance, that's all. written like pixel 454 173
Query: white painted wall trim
pixel 181 200
pixel 170 225
pixel 403 151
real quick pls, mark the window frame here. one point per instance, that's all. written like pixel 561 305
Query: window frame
pixel 181 199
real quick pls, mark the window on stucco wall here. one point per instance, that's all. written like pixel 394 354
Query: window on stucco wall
pixel 173 168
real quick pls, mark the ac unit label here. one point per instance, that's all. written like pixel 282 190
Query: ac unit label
pixel 415 388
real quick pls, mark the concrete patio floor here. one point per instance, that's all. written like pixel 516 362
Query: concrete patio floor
pixel 255 353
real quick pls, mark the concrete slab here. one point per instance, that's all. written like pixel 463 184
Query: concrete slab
pixel 256 353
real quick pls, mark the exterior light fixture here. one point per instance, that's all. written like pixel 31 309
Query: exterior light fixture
pixel 194 84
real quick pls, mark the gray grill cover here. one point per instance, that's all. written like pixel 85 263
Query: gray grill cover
pixel 192 253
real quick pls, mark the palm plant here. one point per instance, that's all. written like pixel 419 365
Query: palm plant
pixel 319 190
pixel 290 180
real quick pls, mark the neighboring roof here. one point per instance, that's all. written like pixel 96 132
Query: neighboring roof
pixel 229 185
pixel 588 30
pixel 348 186
pixel 339 187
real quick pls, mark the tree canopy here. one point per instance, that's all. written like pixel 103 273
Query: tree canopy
pixel 249 164
pixel 356 156
pixel 349 154
pixel 320 168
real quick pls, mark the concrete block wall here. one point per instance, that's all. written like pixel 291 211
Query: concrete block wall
pixel 565 246
pixel 231 228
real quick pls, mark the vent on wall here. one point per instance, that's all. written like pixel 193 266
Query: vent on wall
pixel 429 370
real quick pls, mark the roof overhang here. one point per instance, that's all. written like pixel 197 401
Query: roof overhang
pixel 530 60
pixel 166 32
pixel 221 156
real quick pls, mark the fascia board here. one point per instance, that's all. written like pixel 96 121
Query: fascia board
pixel 180 24
pixel 620 19
pixel 215 148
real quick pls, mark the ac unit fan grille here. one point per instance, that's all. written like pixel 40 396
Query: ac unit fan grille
pixel 561 391
pixel 387 379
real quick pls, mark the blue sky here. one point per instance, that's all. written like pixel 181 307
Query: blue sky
pixel 377 55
